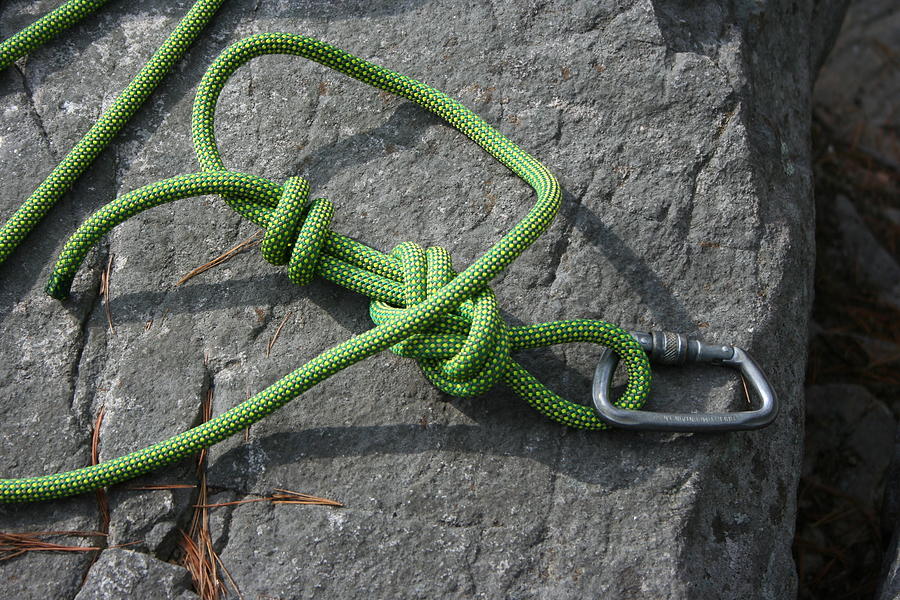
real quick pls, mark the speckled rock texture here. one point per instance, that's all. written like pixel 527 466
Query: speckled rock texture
pixel 122 573
pixel 679 132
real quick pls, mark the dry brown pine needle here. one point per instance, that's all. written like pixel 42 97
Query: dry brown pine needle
pixel 104 291
pixel 281 496
pixel 102 500
pixel 199 556
pixel 16 544
pixel 224 257
pixel 277 333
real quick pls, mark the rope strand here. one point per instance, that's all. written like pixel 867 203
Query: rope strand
pixel 111 121
pixel 45 28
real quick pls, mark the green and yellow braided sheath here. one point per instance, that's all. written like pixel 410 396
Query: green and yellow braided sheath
pixel 111 121
pixel 449 322
pixel 48 26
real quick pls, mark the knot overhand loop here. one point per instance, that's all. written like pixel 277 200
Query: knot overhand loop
pixel 466 351
pixel 296 230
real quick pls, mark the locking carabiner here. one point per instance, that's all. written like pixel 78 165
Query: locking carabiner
pixel 664 347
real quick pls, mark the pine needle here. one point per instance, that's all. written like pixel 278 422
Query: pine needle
pixel 104 292
pixel 199 555
pixel 746 391
pixel 232 503
pixel 203 570
pixel 102 499
pixel 277 333
pixel 224 257
pixel 228 575
pixel 16 544
pixel 205 415
pixel 281 496
pixel 290 497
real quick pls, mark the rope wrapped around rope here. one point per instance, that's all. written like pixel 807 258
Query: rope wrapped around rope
pixel 449 322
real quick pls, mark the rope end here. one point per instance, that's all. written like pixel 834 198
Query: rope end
pixel 58 288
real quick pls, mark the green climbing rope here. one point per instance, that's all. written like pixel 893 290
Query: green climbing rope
pixel 113 118
pixel 422 309
pixel 39 32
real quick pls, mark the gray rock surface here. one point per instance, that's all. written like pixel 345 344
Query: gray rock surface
pixel 890 580
pixel 680 134
pixel 890 584
pixel 125 575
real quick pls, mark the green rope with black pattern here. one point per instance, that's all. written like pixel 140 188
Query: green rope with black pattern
pixel 111 120
pixel 39 32
pixel 449 322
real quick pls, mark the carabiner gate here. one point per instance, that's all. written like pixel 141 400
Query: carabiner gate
pixel 665 347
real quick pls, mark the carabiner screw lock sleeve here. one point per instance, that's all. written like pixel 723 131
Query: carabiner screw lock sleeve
pixel 664 347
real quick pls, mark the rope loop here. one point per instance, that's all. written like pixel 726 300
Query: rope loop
pixel 466 351
pixel 284 221
pixel 296 230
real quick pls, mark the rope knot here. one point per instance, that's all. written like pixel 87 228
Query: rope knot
pixel 296 230
pixel 466 351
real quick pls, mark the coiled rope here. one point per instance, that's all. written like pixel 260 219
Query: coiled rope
pixel 422 309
